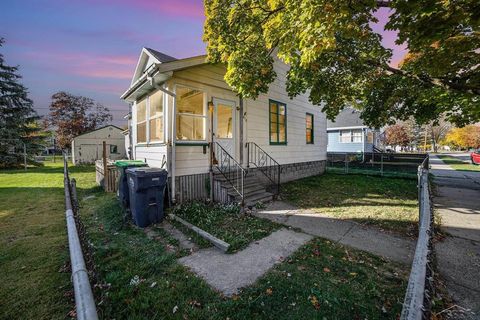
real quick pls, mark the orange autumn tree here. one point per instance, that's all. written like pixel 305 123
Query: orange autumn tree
pixel 464 138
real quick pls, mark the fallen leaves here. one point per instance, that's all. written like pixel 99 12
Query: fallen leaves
pixel 314 301
pixel 326 270
pixel 269 291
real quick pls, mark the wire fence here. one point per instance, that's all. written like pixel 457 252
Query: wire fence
pixel 375 163
pixel 84 300
pixel 417 302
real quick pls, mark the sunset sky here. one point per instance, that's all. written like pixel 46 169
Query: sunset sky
pixel 90 47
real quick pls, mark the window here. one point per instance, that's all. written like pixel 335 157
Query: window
pixel 113 149
pixel 191 114
pixel 351 136
pixel 309 128
pixel 357 136
pixel 156 116
pixel 278 122
pixel 142 121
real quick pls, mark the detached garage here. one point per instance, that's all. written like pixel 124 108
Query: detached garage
pixel 88 147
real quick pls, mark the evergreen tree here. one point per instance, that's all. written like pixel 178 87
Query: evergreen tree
pixel 18 119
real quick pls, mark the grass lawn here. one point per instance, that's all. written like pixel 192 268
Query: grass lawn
pixel 458 164
pixel 141 278
pixel 33 242
pixel 225 223
pixel 389 203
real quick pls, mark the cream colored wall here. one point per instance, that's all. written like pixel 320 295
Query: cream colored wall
pixel 209 78
pixel 94 140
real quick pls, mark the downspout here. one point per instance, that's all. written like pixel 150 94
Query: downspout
pixel 240 129
pixel 130 138
pixel 364 144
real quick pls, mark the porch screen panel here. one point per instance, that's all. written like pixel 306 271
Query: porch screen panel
pixel 156 116
pixel 357 135
pixel 142 121
pixel 191 114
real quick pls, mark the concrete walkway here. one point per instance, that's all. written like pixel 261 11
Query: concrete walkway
pixel 457 201
pixel 342 231
pixel 228 273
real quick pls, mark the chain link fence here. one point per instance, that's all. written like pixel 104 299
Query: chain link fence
pixel 375 163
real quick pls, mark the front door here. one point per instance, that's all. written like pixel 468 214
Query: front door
pixel 224 124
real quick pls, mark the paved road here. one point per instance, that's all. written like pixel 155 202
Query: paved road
pixel 457 201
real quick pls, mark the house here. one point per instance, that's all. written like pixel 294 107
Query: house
pixel 88 147
pixel 348 133
pixel 214 144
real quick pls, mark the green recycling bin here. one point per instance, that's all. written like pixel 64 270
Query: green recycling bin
pixel 122 190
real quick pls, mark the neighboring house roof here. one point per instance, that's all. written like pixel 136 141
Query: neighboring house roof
pixel 347 118
pixel 110 125
pixel 160 56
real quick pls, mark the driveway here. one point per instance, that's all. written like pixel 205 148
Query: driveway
pixel 457 201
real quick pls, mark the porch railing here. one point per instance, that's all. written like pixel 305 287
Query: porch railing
pixel 265 163
pixel 229 168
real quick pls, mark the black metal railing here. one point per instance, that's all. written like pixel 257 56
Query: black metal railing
pixel 233 172
pixel 265 164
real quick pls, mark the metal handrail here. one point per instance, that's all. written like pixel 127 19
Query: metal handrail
pixel 84 301
pixel 262 160
pixel 233 172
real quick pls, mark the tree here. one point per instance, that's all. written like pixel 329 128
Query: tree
pixel 18 119
pixel 335 56
pixel 464 138
pixel 72 115
pixel 397 135
pixel 438 131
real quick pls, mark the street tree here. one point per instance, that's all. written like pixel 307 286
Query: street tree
pixel 334 54
pixel 18 120
pixel 397 135
pixel 464 138
pixel 72 115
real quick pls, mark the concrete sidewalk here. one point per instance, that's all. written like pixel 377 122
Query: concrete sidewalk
pixel 228 273
pixel 342 231
pixel 457 202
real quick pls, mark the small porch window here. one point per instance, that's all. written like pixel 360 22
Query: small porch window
pixel 191 114
pixel 142 121
pixel 345 136
pixel 156 117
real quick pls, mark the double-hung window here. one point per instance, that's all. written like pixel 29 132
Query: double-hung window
pixel 142 121
pixel 351 136
pixel 191 114
pixel 155 117
pixel 309 128
pixel 278 122
pixel 150 118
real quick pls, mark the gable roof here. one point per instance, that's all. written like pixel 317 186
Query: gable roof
pixel 109 125
pixel 160 56
pixel 148 58
pixel 347 118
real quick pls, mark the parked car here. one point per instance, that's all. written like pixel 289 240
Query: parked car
pixel 475 156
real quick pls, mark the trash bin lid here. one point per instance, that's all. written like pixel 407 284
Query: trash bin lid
pixel 130 163
pixel 147 172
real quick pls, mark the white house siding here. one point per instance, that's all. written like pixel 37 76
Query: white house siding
pixel 296 150
pixel 191 159
pixel 88 147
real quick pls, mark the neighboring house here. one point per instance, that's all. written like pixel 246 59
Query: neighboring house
pixel 88 147
pixel 177 103
pixel 348 133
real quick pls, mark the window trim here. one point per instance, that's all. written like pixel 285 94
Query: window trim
pixel 204 116
pixel 312 129
pixel 278 143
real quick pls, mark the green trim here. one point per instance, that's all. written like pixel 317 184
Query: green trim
pixel 278 103
pixel 191 144
pixel 312 129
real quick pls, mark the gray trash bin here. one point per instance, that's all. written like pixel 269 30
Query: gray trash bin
pixel 146 188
